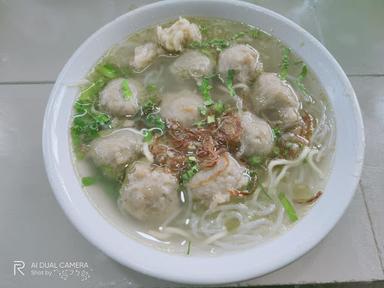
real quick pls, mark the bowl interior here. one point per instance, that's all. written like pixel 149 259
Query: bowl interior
pixel 205 270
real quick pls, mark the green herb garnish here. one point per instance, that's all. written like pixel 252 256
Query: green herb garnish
pixel 211 119
pixel 154 121
pixel 255 33
pixel 288 207
pixel 255 161
pixel 229 82
pixel 205 89
pixel 265 192
pixel 299 80
pixel 203 110
pixel 108 70
pixel 191 169
pixel 151 89
pixel 88 181
pixel 147 134
pixel 87 120
pixel 218 44
pixel 219 107
pixel 189 248
pixel 238 35
pixel 276 132
pixel 126 90
pixel 284 64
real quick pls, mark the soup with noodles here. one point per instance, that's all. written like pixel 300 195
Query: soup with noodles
pixel 202 135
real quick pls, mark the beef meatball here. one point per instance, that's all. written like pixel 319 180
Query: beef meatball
pixel 116 150
pixel 145 54
pixel 192 64
pixel 182 107
pixel 257 136
pixel 149 193
pixel 243 59
pixel 112 99
pixel 176 37
pixel 213 186
pixel 275 100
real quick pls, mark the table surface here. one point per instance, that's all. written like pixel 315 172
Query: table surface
pixel 36 39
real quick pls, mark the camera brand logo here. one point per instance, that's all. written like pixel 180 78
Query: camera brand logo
pixel 18 267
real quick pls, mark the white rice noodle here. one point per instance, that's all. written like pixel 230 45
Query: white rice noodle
pixel 215 237
pixel 147 153
pixel 275 178
pixel 170 218
pixel 312 164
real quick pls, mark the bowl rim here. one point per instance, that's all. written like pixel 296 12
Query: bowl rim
pixel 67 202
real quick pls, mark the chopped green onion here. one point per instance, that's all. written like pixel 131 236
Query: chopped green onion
pixel 203 29
pixel 255 33
pixel 218 44
pixel 192 158
pixel 288 207
pixel 147 135
pixel 88 181
pixel 300 79
pixel 219 107
pixel 276 151
pixel 205 89
pixel 203 110
pixel 284 64
pixel 126 90
pixel 276 132
pixel 238 35
pixel 189 248
pixel 200 123
pixel 265 192
pixel 255 161
pixel 190 171
pixel 211 119
pixel 154 121
pixel 229 82
pixel 108 70
pixel 151 88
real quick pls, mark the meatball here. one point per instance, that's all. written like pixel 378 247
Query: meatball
pixel 116 150
pixel 112 99
pixel 257 136
pixel 145 54
pixel 243 59
pixel 275 101
pixel 149 193
pixel 192 64
pixel 182 106
pixel 179 35
pixel 213 186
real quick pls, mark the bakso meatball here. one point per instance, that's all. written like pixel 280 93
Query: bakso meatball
pixel 145 54
pixel 176 37
pixel 275 101
pixel 213 186
pixel 115 102
pixel 257 136
pixel 182 106
pixel 243 59
pixel 192 64
pixel 149 193
pixel 116 150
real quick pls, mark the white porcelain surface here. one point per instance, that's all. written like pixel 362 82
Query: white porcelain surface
pixel 275 253
pixel 34 228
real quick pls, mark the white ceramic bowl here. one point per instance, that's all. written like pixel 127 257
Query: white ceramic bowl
pixel 242 264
